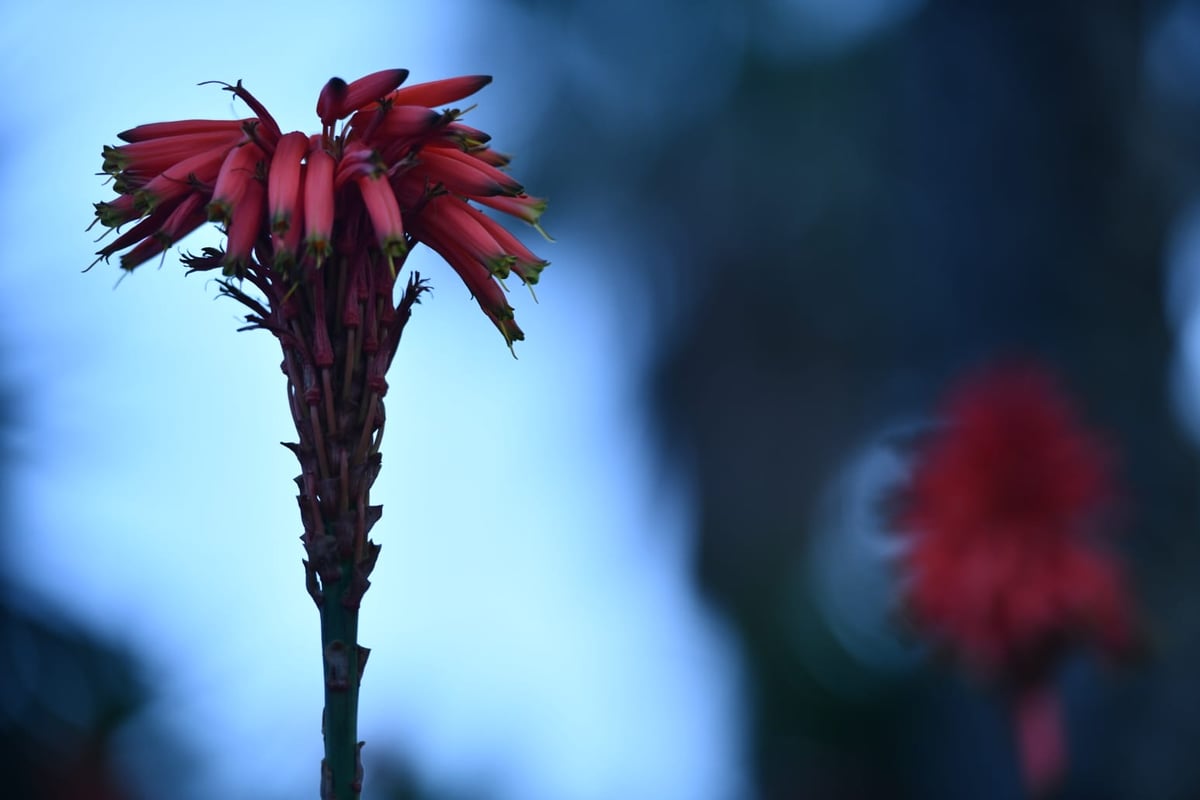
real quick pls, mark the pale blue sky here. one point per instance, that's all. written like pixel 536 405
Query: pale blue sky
pixel 530 618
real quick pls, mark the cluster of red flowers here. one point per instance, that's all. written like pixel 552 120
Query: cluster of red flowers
pixel 398 172
pixel 319 224
pixel 1004 569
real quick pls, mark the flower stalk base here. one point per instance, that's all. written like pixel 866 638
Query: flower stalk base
pixel 336 390
pixel 344 660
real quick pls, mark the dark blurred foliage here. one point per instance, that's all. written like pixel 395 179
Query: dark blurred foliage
pixel 62 693
pixel 64 698
pixel 70 701
pixel 839 224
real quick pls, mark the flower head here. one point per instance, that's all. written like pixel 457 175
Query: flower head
pixel 1004 570
pixel 1003 507
pixel 401 170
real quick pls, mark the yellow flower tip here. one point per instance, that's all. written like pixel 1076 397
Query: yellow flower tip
pixel 501 266
pixel 509 336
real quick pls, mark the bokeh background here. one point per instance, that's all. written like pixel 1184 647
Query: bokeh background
pixel 645 560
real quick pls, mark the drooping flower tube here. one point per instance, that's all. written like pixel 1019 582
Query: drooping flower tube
pixel 319 224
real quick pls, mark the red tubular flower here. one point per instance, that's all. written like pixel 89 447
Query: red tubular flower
pixel 385 215
pixel 1003 570
pixel 524 263
pixel 158 231
pixel 238 171
pixel 246 225
pixel 479 280
pixel 398 128
pixel 182 127
pixel 452 223
pixel 186 217
pixel 439 93
pixel 283 188
pixel 142 252
pixel 464 137
pixel 462 174
pixel 145 228
pixel 319 201
pixel 287 245
pixel 522 206
pixel 115 214
pixel 357 159
pixel 175 182
pixel 489 156
pixel 152 156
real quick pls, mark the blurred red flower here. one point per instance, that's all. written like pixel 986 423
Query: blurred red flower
pixel 1005 569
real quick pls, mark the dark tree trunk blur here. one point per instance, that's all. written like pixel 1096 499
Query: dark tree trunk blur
pixel 849 233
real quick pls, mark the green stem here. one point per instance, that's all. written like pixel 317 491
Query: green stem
pixel 341 771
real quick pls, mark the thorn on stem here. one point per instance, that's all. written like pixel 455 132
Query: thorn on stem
pixel 363 652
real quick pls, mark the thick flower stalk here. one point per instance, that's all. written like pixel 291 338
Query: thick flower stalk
pixel 317 227
pixel 1005 569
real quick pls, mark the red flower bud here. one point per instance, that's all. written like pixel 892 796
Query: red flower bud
pixel 283 179
pixel 384 212
pixel 183 127
pixel 245 226
pixel 339 99
pixel 439 93
pixel 461 173
pixel 318 201
pixel 152 156
pixel 238 171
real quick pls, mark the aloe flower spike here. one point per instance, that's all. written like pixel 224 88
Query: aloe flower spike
pixel 319 225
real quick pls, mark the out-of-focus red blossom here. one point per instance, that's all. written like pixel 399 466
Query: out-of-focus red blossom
pixel 1004 506
pixel 1005 568
pixel 291 202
